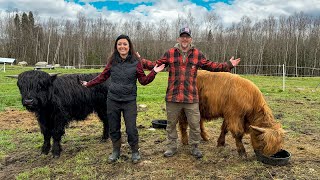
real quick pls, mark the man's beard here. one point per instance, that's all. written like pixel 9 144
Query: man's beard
pixel 184 45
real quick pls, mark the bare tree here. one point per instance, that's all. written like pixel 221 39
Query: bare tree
pixel 293 40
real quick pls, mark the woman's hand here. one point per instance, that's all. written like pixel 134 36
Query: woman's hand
pixel 158 68
pixel 84 83
pixel 138 54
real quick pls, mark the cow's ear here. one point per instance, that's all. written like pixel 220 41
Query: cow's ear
pixel 258 129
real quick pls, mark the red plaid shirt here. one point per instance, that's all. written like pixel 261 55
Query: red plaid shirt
pixel 182 74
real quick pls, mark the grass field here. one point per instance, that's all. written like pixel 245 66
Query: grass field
pixel 84 157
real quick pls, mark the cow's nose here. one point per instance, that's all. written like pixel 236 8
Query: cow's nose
pixel 28 101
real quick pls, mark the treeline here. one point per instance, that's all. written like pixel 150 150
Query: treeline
pixel 293 41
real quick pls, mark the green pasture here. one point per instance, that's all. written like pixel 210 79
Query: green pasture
pixel 84 157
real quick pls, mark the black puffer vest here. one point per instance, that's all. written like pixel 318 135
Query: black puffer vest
pixel 123 79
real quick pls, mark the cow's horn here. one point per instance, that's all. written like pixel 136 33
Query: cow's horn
pixel 258 129
pixel 13 76
pixel 54 74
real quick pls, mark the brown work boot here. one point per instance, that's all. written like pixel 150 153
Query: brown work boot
pixel 196 152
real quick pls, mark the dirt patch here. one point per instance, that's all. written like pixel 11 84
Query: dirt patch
pixel 11 119
pixel 84 156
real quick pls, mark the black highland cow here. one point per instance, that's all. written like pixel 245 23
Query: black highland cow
pixel 57 100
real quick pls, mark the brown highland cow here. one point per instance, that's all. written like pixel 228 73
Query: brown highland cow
pixel 243 108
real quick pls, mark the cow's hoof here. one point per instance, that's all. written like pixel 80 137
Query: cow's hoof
pixel 205 137
pixel 185 142
pixel 185 139
pixel 56 154
pixel 56 151
pixel 242 155
pixel 45 150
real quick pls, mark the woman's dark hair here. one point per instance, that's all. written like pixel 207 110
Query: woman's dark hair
pixel 131 54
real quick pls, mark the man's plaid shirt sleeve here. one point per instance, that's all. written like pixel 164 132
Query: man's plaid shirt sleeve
pixel 214 66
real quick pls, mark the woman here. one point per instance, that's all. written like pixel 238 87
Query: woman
pixel 124 68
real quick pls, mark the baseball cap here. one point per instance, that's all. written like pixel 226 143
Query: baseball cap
pixel 185 30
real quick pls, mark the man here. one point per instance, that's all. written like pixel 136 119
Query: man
pixel 183 61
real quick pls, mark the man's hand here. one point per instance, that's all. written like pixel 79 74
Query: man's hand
pixel 234 62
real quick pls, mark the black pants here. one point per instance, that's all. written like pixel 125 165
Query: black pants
pixel 129 110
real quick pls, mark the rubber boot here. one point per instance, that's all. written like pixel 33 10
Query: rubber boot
pixel 135 154
pixel 196 152
pixel 115 152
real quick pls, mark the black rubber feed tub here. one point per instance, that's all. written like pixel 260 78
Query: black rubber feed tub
pixel 159 124
pixel 281 158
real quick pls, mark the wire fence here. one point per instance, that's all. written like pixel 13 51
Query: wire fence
pixel 281 80
pixel 277 70
pixel 247 69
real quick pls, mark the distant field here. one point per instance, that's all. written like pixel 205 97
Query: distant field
pixel 85 157
pixel 155 91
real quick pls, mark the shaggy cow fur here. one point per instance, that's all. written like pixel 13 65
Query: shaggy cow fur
pixel 57 100
pixel 243 108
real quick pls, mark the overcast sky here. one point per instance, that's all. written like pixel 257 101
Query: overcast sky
pixel 155 10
